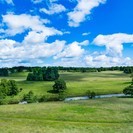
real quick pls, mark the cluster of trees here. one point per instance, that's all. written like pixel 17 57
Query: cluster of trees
pixel 4 72
pixel 59 87
pixel 8 88
pixel 128 70
pixel 43 74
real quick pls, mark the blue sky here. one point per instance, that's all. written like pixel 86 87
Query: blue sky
pixel 85 33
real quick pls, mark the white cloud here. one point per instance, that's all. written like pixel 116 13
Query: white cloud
pixel 36 1
pixel 113 43
pixel 107 61
pixel 84 43
pixel 53 9
pixel 86 34
pixel 12 51
pixel 69 62
pixel 72 50
pixel 82 10
pixel 24 22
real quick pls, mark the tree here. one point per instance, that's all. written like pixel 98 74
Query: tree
pixel 8 88
pixel 132 78
pixel 13 89
pixel 51 74
pixel 59 86
pixel 4 72
pixel 30 77
pixel 43 74
pixel 128 90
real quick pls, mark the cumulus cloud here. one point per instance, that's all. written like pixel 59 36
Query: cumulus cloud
pixel 69 62
pixel 82 10
pixel 72 50
pixel 113 43
pixel 25 22
pixel 11 50
pixel 107 61
pixel 53 9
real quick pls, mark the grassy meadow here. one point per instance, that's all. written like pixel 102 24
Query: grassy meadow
pixel 78 83
pixel 110 115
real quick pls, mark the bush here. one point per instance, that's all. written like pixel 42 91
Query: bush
pixel 91 94
pixel 62 96
pixel 3 102
pixel 13 101
pixel 30 98
pixel 43 99
pixel 128 90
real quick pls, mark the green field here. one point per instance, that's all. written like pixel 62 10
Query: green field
pixel 110 115
pixel 78 83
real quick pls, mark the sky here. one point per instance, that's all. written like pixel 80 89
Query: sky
pixel 76 33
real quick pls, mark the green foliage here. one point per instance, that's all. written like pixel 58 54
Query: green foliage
pixel 13 89
pixel 4 72
pixel 8 88
pixel 91 94
pixel 59 86
pixel 43 99
pixel 62 96
pixel 128 90
pixel 40 74
pixel 51 74
pixel 30 97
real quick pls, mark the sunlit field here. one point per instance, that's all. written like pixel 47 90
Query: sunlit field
pixel 110 115
pixel 78 83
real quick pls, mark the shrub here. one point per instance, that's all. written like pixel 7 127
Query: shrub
pixel 91 94
pixel 30 98
pixel 43 99
pixel 128 90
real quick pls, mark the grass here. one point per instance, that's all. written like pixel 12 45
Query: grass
pixel 112 115
pixel 77 83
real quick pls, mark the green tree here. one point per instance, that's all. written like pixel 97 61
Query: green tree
pixel 30 77
pixel 132 78
pixel 128 90
pixel 4 72
pixel 51 74
pixel 13 89
pixel 59 86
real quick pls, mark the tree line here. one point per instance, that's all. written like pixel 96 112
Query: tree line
pixel 38 70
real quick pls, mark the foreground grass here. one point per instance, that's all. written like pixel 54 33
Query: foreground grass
pixel 113 115
pixel 77 83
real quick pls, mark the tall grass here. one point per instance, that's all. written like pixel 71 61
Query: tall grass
pixel 102 115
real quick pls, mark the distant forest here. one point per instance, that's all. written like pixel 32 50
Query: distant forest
pixel 7 71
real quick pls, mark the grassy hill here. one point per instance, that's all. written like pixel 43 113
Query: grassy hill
pixel 110 115
pixel 78 83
